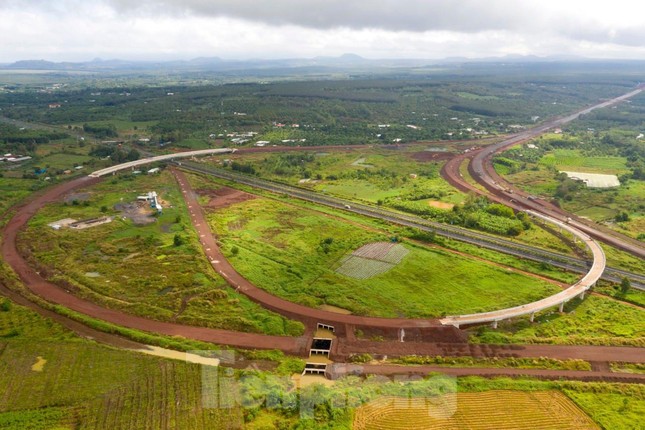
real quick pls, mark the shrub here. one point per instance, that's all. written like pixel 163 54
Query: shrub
pixel 5 306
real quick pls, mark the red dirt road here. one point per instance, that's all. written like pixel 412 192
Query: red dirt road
pixel 580 375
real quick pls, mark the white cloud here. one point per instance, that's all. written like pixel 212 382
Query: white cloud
pixel 146 29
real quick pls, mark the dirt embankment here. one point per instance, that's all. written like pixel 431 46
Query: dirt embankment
pixel 223 197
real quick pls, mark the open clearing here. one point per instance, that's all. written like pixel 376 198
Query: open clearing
pixel 502 410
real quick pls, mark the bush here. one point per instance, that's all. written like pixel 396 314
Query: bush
pixel 5 306
pixel 178 240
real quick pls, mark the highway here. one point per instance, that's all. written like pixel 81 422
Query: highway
pixel 458 233
pixel 576 290
pixel 482 170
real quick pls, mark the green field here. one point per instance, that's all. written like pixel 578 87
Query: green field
pixel 575 160
pixel 115 389
pixel 282 249
pixel 363 174
pixel 142 269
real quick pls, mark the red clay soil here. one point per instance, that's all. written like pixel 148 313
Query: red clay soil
pixel 345 347
pixel 339 370
pixel 428 156
pixel 224 197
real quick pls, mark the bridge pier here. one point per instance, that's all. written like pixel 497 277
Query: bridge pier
pixel 561 307
pixel 532 317
pixel 582 295
pixel 494 325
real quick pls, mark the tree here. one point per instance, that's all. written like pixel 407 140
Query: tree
pixel 622 217
pixel 625 285
pixel 178 240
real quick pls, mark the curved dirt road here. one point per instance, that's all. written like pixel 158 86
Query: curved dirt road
pixel 58 295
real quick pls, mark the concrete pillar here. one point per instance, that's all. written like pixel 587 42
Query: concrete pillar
pixel 561 308
pixel 532 317
pixel 495 324
pixel 582 295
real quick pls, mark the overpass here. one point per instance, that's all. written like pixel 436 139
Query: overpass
pixel 576 290
pixel 148 160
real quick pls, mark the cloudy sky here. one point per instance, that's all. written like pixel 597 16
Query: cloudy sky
pixel 76 30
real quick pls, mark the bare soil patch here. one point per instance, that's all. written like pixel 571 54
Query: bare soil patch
pixel 139 212
pixel 440 205
pixel 224 197
pixel 427 156
pixel 79 197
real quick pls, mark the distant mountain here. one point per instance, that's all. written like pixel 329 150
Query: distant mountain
pixel 33 65
pixel 349 62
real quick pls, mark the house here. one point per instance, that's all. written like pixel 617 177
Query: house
pixel 19 159
pixel 154 170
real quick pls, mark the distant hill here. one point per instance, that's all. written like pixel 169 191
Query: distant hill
pixel 349 62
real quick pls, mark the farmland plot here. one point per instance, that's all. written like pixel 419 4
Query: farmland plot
pixel 371 260
pixel 475 411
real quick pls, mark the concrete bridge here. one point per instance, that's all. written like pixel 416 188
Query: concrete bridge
pixel 576 290
pixel 148 160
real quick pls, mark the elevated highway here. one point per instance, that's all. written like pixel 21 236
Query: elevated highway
pixel 165 157
pixel 576 290
pixel 482 170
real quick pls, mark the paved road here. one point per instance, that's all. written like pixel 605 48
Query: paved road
pixel 481 169
pixel 156 158
pixel 577 289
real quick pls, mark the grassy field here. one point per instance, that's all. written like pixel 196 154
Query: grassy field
pixel 551 242
pixel 396 178
pixel 595 320
pixel 575 160
pixel 283 249
pixel 85 385
pixel 14 190
pixel 368 174
pixel 155 270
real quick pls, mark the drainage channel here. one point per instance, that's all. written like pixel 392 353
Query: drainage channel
pixel 318 361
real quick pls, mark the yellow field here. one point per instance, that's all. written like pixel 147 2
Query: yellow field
pixel 500 410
